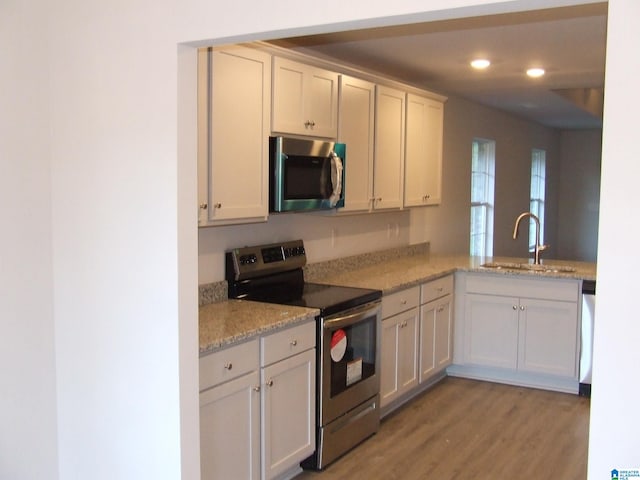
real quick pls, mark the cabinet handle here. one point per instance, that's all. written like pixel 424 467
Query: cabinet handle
pixel 256 389
pixel 440 308
pixel 270 383
pixel 294 343
pixel 522 307
pixel 309 124
pixel 403 302
pixel 217 205
pixel 203 206
pixel 228 366
pixel 515 307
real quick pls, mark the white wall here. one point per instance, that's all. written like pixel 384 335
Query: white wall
pixel 579 191
pixel 614 441
pixel 102 79
pixel 447 226
pixel 27 358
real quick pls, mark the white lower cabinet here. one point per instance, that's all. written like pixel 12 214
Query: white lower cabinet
pixel 399 350
pixel 288 413
pixel 417 343
pixel 436 325
pixel 522 331
pixel 399 346
pixel 257 407
pixel 230 429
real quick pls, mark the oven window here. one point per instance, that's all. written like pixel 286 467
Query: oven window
pixel 307 178
pixel 353 354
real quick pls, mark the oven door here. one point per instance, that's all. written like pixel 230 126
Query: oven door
pixel 350 360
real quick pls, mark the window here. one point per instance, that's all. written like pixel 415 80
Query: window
pixel 538 161
pixel 482 188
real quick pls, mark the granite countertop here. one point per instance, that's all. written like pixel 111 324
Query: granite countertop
pixel 404 272
pixel 228 322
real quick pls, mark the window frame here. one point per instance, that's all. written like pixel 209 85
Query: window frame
pixel 482 197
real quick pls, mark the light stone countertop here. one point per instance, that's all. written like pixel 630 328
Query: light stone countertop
pixel 225 323
pixel 407 271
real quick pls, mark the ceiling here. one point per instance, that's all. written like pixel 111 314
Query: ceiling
pixel 568 42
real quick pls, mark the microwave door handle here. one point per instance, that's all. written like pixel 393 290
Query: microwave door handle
pixel 336 178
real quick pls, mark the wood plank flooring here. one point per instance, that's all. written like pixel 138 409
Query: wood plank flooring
pixel 465 429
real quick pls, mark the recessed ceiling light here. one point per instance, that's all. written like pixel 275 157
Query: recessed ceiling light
pixel 535 72
pixel 480 63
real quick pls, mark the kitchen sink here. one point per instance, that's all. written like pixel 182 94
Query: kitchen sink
pixel 531 267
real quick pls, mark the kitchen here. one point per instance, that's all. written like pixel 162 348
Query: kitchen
pixel 58 426
pixel 325 235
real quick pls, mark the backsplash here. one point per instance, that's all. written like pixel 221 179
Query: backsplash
pixel 314 271
pixel 217 291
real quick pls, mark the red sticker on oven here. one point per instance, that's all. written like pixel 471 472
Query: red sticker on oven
pixel 338 345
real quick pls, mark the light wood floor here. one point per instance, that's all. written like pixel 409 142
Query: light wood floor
pixel 470 430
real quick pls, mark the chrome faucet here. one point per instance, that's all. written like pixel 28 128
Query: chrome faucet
pixel 538 248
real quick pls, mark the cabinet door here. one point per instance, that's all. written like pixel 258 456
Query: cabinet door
pixel 427 340
pixel 233 152
pixel 229 430
pixel 322 103
pixel 443 340
pixel 491 331
pixel 399 360
pixel 305 99
pixel 435 337
pixel 357 103
pixel 288 413
pixel 548 337
pixel 288 96
pixel 388 177
pixel 423 154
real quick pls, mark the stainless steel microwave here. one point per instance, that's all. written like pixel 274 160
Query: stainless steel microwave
pixel 305 174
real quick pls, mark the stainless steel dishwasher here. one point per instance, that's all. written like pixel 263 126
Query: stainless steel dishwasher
pixel 586 335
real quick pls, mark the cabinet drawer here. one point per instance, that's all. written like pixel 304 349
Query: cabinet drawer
pixel 436 289
pixel 227 364
pixel 288 342
pixel 400 301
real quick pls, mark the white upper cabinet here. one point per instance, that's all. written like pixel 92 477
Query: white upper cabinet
pixel 355 129
pixel 234 88
pixel 305 100
pixel 423 155
pixel 388 177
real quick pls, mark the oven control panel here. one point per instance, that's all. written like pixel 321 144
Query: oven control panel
pixel 249 262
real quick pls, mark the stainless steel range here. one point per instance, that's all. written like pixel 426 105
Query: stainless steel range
pixel 348 340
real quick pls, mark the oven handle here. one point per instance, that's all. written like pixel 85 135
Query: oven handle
pixel 354 316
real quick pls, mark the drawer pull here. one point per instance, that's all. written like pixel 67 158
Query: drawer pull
pixel 228 366
pixel 294 343
pixel 403 302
